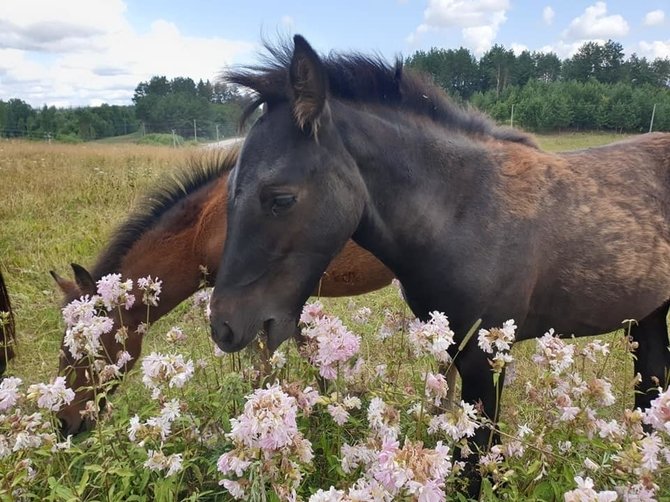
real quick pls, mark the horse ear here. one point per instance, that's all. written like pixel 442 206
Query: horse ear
pixel 69 288
pixel 84 280
pixel 309 84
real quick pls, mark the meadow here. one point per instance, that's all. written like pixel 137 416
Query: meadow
pixel 60 203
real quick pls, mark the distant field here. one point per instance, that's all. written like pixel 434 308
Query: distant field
pixel 577 140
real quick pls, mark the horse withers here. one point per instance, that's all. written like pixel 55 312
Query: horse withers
pixel 180 229
pixel 475 220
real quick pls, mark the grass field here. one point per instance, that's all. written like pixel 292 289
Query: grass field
pixel 59 204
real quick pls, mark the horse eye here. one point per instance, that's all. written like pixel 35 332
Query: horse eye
pixel 282 203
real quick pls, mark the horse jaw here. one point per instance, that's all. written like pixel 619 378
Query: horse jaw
pixel 279 330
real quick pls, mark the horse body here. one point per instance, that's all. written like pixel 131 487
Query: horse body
pixel 7 327
pixel 474 220
pixel 178 237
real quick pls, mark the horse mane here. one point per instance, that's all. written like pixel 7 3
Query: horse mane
pixel 199 171
pixel 5 306
pixel 370 80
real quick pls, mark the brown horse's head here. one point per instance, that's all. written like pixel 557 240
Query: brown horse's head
pixel 294 198
pixel 81 375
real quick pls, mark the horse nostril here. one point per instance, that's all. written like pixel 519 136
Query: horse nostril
pixel 222 334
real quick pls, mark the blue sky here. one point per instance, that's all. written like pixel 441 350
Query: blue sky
pixel 81 52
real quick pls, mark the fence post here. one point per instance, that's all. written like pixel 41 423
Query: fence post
pixel 651 122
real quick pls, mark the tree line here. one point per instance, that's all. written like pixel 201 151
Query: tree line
pixel 179 107
pixel 597 88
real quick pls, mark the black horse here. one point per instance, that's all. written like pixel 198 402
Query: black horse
pixel 474 219
pixel 7 327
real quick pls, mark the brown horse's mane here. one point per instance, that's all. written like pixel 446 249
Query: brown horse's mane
pixel 200 170
pixel 368 79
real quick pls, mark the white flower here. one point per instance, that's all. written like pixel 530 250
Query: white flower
pixel 51 396
pixel 171 369
pixel 9 392
pixel 175 335
pixel 151 290
pixel 339 414
pixel 497 338
pixel 585 492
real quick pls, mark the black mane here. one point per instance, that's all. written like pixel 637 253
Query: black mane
pixel 369 79
pixel 198 172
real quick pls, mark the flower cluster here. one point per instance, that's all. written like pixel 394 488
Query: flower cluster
pixel 498 341
pixel 390 472
pixel 115 293
pixel 51 396
pixel 433 337
pixel 151 290
pixel 161 370
pixel 329 342
pixel 266 441
pixel 21 432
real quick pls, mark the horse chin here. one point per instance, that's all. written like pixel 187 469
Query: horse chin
pixel 279 330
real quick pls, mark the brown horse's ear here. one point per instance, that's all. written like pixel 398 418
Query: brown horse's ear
pixel 69 288
pixel 84 280
pixel 309 85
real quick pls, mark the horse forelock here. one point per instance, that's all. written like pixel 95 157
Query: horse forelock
pixel 367 79
pixel 199 171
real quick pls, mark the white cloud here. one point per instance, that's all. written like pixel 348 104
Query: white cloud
pixel 594 23
pixel 90 53
pixel 654 18
pixel 518 48
pixel 479 20
pixel 568 49
pixel 655 49
pixel 548 15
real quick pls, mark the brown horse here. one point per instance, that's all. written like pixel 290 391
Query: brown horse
pixel 473 219
pixel 7 327
pixel 180 229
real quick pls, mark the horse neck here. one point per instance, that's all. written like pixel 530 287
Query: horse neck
pixel 418 176
pixel 187 239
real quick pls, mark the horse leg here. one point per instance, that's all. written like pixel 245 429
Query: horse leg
pixel 652 360
pixel 479 389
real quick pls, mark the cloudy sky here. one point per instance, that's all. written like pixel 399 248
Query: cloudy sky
pixel 88 52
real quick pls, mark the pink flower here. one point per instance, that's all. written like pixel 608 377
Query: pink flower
pixel 114 293
pixel 330 343
pixel 585 492
pixel 311 312
pixel 9 392
pixel 151 290
pixel 497 338
pixel 658 414
pixel 339 414
pixel 51 396
pixel 171 369
pixel 434 337
pixel 553 353
pixel 436 387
